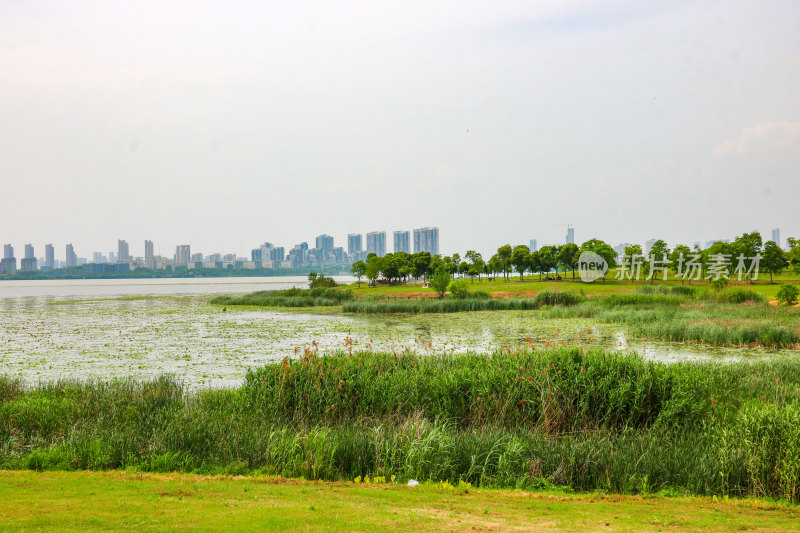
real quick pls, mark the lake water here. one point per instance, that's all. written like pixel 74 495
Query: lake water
pixel 102 335
pixel 131 287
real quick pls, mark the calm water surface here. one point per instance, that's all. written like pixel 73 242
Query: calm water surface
pixel 128 287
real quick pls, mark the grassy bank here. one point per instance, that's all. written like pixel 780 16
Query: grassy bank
pixel 452 305
pixel 319 297
pixel 117 500
pixel 523 419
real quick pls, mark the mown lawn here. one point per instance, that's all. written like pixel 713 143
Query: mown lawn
pixel 68 501
pixel 531 284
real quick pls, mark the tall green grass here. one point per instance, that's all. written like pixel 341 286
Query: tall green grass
pixel 588 420
pixel 447 305
pixel 323 296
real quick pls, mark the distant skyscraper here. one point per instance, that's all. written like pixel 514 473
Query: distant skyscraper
pixel 325 246
pixel 183 253
pixel 278 254
pixel 72 258
pixel 534 245
pixel 401 242
pixel 149 256
pixel 426 240
pixel 8 265
pixel 97 257
pixel 570 235
pixel 376 243
pixel 776 236
pixel 354 243
pixel 123 253
pixel 29 263
pixel 49 256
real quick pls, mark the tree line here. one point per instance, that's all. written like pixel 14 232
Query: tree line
pixel 401 266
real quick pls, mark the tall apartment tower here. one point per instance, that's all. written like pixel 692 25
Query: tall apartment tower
pixel 8 265
pixel 29 263
pixel 534 245
pixel 123 252
pixel 401 242
pixel 376 243
pixel 776 236
pixel 325 246
pixel 149 256
pixel 72 258
pixel 426 240
pixel 570 235
pixel 49 256
pixel 183 254
pixel 354 243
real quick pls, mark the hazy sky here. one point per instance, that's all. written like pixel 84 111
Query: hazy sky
pixel 227 124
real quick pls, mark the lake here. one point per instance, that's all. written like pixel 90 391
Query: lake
pixel 103 333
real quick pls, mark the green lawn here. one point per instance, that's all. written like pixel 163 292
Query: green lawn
pixel 68 501
pixel 532 283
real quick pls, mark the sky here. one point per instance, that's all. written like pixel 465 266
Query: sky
pixel 227 124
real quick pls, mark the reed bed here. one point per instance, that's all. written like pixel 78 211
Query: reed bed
pixel 452 305
pixel 590 421
pixel 288 298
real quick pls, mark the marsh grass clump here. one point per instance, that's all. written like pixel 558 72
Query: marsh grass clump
pixel 320 296
pixel 475 301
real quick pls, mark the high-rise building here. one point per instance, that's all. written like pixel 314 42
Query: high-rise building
pixel 72 258
pixel 401 242
pixel 534 245
pixel 278 254
pixel 123 252
pixel 570 235
pixel 29 263
pixel 149 256
pixel 426 240
pixel 8 265
pixel 776 236
pixel 183 253
pixel 98 257
pixel 354 243
pixel 49 256
pixel 112 257
pixel 324 247
pixel 376 243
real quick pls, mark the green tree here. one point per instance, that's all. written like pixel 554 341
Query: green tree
pixel 359 269
pixel 787 294
pixel 459 289
pixel 748 245
pixel 440 280
pixel 494 265
pixel 678 258
pixel 548 258
pixel 568 255
pixel 794 254
pixel 658 252
pixel 519 258
pixel 535 264
pixel 420 262
pixel 773 260
pixel 504 255
pixel 374 268
pixel 602 249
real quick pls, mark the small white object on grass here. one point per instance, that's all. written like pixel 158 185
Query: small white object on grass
pixel 413 483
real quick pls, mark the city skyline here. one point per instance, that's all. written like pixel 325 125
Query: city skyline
pixel 301 255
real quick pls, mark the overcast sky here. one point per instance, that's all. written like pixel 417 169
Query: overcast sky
pixel 227 124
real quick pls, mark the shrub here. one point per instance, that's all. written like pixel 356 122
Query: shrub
pixel 459 289
pixel 787 294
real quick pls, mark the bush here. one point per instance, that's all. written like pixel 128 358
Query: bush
pixel 787 294
pixel 459 289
